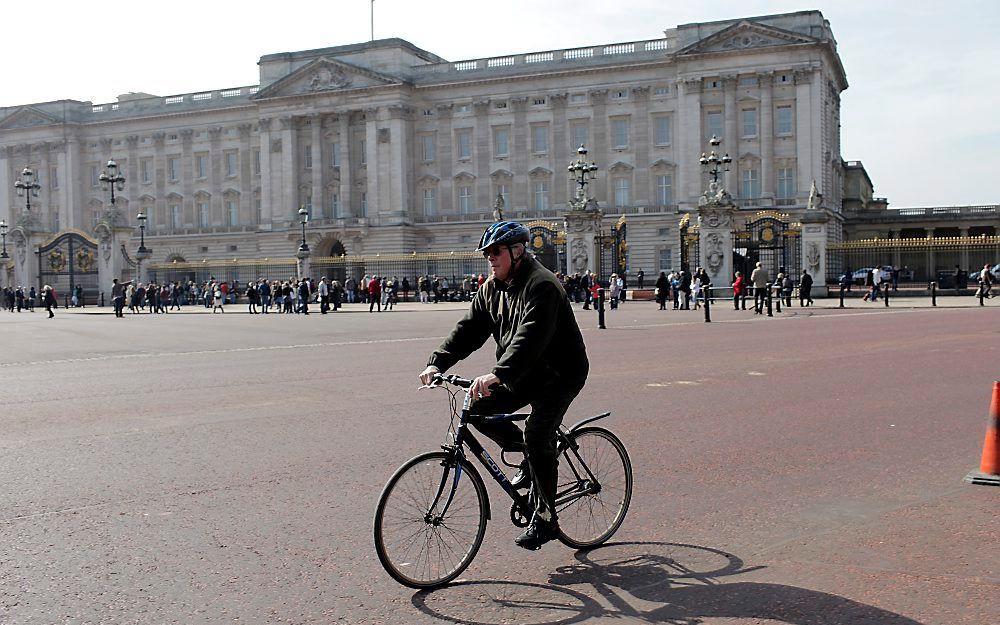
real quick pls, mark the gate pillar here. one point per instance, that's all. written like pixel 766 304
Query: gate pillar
pixel 715 217
pixel 814 238
pixel 24 258
pixel 582 228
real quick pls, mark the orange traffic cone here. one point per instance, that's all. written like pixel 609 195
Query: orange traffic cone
pixel 989 468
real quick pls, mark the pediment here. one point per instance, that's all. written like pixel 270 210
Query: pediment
pixel 26 117
pixel 745 35
pixel 620 166
pixel 501 173
pixel 324 75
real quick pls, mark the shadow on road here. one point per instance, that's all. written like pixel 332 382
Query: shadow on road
pixel 647 582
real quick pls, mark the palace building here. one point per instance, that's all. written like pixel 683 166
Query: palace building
pixel 394 150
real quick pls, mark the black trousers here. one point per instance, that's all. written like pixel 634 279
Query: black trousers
pixel 538 442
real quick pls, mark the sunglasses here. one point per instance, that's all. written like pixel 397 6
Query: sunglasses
pixel 493 251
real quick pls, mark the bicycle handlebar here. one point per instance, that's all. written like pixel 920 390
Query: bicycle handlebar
pixel 453 379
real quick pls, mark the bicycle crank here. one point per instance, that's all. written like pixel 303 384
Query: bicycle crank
pixel 518 517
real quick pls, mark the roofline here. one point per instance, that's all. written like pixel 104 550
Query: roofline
pixel 752 19
pixel 391 42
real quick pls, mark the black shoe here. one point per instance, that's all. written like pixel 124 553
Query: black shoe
pixel 522 479
pixel 537 534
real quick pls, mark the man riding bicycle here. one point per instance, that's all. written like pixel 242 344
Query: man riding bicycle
pixel 541 362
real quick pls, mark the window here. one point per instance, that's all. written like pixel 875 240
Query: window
pixel 539 139
pixel 307 203
pixel 462 108
pixel 465 199
pixel 335 154
pixel 146 170
pixel 663 232
pixel 464 145
pixel 54 181
pixel 503 191
pixel 749 117
pixel 335 205
pixel 578 98
pixel 430 206
pixel 203 214
pixel 256 161
pixel 661 128
pixel 200 165
pixel 786 182
pixel 231 165
pixel 541 194
pixel 619 95
pixel 172 169
pixel 501 141
pixel 95 217
pixel 233 248
pixel 664 190
pixel 363 149
pixel 784 125
pixel 364 204
pixel 233 212
pixel 622 192
pixel 661 91
pixel 666 259
pixel 175 216
pixel 95 176
pixel 427 147
pixel 751 184
pixel 713 124
pixel 748 82
pixel 619 133
pixel 307 156
pixel 500 105
pixel 538 102
pixel 578 131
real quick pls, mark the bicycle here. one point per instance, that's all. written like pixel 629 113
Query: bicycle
pixel 430 523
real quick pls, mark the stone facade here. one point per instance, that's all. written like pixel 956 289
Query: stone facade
pixel 394 149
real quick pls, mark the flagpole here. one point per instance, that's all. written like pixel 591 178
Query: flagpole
pixel 373 19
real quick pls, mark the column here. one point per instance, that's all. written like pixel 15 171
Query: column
pixel 807 138
pixel 766 134
pixel 132 184
pixel 217 175
pixel 716 244
pixel 520 152
pixel 266 176
pixel 559 150
pixel 599 150
pixel 7 211
pixel 444 160
pixel 245 207
pixel 689 141
pixel 482 157
pixel 372 181
pixel 160 173
pixel 641 133
pixel 398 166
pixel 318 201
pixel 72 178
pixel 287 202
pixel 344 120
pixel 731 142
pixel 45 179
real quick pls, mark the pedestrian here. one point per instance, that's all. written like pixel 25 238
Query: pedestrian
pixel 374 294
pixel 684 287
pixel 759 280
pixel 985 281
pixel 639 277
pixel 661 290
pixel 738 286
pixel 49 300
pixel 324 296
pixel 615 290
pixel 217 298
pixel 304 294
pixel 805 289
pixel 118 296
pixel 787 286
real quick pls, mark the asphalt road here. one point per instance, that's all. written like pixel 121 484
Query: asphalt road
pixel 193 468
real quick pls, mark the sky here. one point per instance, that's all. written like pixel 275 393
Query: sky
pixel 919 71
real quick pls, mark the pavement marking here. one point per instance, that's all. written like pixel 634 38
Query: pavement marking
pixel 217 351
pixel 756 373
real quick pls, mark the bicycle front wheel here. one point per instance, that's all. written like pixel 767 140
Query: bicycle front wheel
pixel 595 488
pixel 419 542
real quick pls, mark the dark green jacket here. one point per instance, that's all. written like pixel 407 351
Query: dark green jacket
pixel 538 340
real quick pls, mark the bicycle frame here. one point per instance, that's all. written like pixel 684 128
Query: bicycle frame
pixel 465 438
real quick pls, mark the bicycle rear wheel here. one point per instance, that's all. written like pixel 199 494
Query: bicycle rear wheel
pixel 419 547
pixel 592 504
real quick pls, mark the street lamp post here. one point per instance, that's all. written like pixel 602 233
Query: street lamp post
pixel 713 163
pixel 27 186
pixel 142 232
pixel 3 235
pixel 583 172
pixel 111 179
pixel 303 218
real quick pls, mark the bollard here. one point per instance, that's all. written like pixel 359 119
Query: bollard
pixel 981 294
pixel 600 309
pixel 777 307
pixel 708 298
pixel 102 299
pixel 65 301
pixel 841 296
pixel 933 293
pixel 769 309
pixel 885 296
pixel 743 297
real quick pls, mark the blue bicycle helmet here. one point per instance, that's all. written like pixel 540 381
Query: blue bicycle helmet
pixel 504 232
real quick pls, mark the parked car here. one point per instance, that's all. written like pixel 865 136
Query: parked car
pixel 861 275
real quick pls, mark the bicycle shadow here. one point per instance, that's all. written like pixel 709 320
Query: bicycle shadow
pixel 651 582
